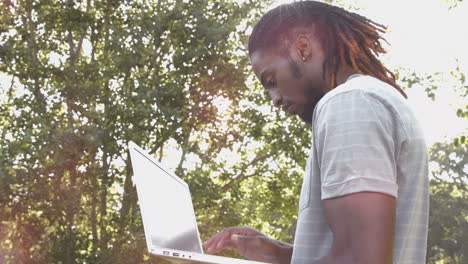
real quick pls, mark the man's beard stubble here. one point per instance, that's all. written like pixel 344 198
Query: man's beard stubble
pixel 311 93
pixel 308 111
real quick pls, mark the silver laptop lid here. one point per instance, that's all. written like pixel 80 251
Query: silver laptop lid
pixel 165 204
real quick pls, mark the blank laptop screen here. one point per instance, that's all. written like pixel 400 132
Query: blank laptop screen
pixel 166 206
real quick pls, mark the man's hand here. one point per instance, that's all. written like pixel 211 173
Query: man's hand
pixel 251 244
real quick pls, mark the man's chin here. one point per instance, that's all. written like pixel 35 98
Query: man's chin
pixel 307 112
pixel 306 117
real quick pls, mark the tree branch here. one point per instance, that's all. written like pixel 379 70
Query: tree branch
pixel 184 149
pixel 241 176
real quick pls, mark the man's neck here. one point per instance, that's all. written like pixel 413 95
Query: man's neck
pixel 344 74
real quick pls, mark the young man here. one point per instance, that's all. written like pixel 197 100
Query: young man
pixel 364 198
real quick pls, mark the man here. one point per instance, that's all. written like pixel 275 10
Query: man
pixel 364 198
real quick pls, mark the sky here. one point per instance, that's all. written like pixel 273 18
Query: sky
pixel 427 37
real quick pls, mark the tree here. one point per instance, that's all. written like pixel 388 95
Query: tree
pixel 87 77
pixel 452 3
pixel 448 226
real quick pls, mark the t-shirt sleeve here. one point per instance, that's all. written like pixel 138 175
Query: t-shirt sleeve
pixel 355 144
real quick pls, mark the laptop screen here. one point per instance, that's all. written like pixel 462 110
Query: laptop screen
pixel 165 204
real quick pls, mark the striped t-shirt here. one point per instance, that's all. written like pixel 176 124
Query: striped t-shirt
pixel 365 138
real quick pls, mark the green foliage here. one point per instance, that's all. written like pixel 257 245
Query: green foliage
pixel 448 224
pixel 87 77
pixel 454 79
pixel 452 3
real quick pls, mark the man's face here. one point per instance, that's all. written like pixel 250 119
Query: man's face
pixel 295 83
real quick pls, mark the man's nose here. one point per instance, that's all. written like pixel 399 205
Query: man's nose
pixel 276 98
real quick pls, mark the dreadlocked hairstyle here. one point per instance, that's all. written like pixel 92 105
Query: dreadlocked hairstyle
pixel 347 38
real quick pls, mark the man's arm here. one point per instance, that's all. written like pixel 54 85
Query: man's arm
pixel 363 226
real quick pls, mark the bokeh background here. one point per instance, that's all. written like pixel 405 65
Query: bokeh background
pixel 79 79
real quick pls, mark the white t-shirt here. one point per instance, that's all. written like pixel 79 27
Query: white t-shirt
pixel 365 138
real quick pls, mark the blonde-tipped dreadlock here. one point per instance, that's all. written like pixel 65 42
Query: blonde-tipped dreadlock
pixel 346 37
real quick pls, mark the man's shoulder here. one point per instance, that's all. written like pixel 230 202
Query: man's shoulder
pixel 364 84
pixel 359 91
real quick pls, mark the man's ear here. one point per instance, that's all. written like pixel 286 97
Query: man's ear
pixel 303 46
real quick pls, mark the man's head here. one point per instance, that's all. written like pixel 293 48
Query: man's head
pixel 302 50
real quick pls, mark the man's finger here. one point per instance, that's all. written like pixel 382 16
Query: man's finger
pixel 209 241
pixel 212 239
pixel 225 239
pixel 215 244
pixel 238 242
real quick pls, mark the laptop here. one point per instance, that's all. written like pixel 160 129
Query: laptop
pixel 167 213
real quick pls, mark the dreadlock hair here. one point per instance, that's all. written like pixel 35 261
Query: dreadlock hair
pixel 346 37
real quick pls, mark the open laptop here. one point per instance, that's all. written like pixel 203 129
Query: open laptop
pixel 169 222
